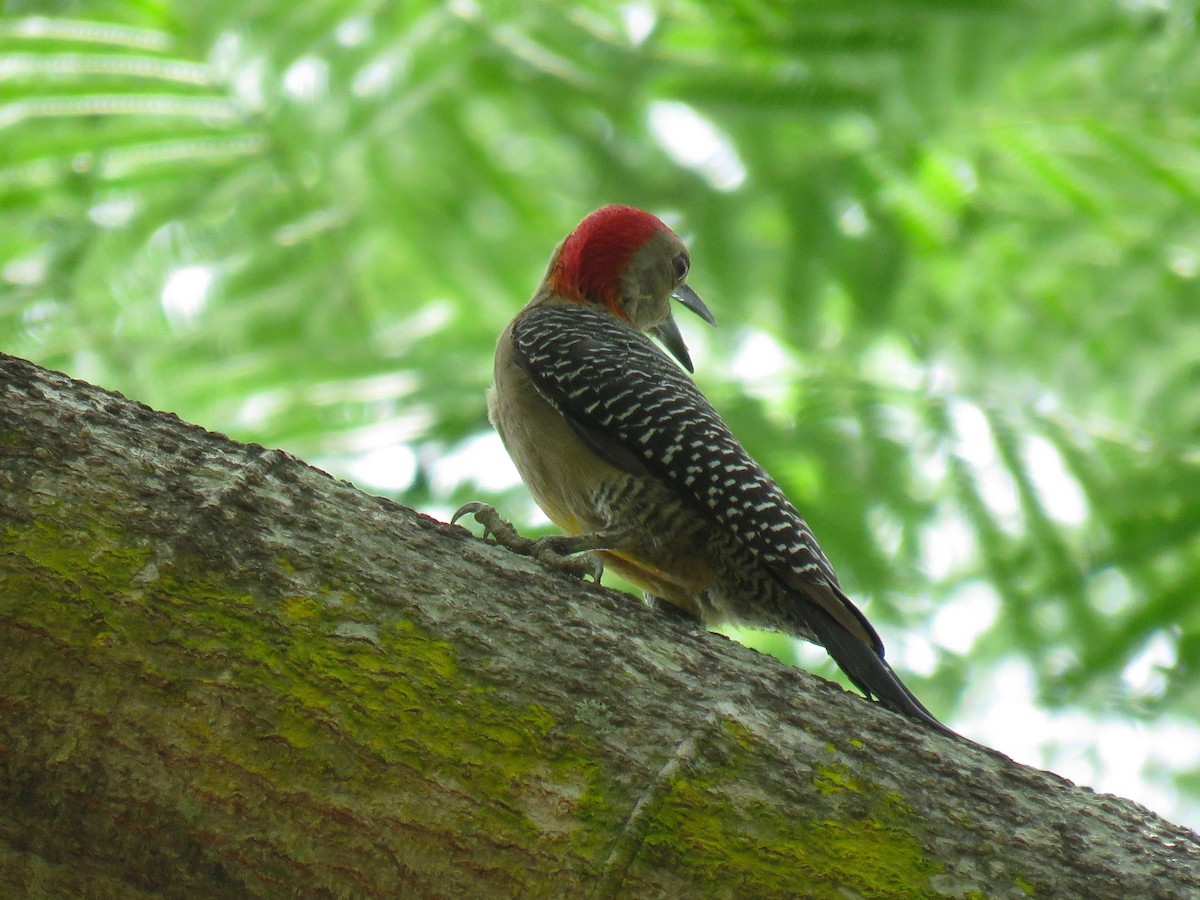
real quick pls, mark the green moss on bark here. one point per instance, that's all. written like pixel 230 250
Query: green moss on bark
pixel 306 696
pixel 708 825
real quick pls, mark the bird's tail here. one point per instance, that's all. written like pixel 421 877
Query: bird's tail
pixel 867 669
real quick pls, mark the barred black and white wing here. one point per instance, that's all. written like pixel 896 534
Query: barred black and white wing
pixel 616 385
pixel 641 413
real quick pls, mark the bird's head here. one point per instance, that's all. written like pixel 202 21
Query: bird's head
pixel 629 262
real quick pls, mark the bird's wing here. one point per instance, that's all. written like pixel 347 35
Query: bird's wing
pixel 641 413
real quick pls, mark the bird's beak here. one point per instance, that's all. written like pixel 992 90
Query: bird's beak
pixel 668 331
pixel 692 301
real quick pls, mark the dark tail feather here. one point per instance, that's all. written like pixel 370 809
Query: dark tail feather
pixel 868 670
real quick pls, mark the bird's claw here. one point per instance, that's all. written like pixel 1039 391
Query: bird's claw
pixel 487 516
pixel 552 551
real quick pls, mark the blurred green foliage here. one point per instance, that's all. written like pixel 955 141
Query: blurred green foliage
pixel 954 247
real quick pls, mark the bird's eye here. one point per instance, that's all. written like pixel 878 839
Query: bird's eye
pixel 681 264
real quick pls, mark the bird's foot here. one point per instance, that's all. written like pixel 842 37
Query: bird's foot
pixel 554 551
pixel 494 526
pixel 557 553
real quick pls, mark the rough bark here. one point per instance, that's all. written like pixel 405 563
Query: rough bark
pixel 227 674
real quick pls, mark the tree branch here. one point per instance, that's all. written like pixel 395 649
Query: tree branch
pixel 227 674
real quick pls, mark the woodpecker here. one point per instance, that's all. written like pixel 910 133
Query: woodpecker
pixel 624 454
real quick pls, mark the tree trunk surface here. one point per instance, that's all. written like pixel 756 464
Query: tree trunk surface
pixel 225 674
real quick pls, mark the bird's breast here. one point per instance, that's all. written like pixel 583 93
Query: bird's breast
pixel 562 474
